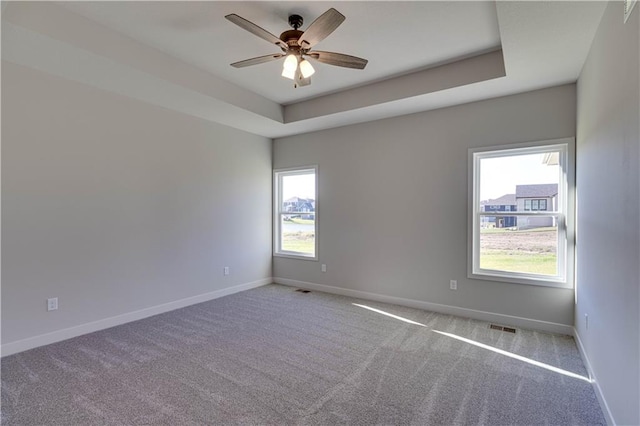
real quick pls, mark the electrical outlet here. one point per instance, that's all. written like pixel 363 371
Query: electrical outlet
pixel 453 285
pixel 586 321
pixel 52 304
pixel 226 270
pixel 323 268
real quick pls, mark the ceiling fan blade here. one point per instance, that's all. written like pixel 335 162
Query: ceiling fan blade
pixel 319 29
pixel 256 30
pixel 338 59
pixel 257 60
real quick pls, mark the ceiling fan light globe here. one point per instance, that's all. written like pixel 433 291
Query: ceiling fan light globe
pixel 290 74
pixel 306 69
pixel 291 63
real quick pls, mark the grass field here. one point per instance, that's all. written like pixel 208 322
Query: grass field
pixel 529 251
pixel 298 242
pixel 536 263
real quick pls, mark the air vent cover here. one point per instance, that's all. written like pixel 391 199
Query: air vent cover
pixel 502 328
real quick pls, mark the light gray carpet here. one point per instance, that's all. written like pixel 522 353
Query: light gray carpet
pixel 275 356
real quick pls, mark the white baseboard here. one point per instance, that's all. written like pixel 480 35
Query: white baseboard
pixel 594 381
pixel 68 333
pixel 550 327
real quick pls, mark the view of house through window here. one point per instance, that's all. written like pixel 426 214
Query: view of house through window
pixel 295 224
pixel 519 213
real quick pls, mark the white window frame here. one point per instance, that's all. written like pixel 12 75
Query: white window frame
pixel 278 175
pixel 564 214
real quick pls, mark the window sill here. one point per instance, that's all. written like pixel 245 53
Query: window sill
pixel 524 280
pixel 296 256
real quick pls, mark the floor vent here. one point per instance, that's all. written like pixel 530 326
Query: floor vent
pixel 303 291
pixel 502 328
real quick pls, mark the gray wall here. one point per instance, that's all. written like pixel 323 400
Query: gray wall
pixel 113 205
pixel 393 206
pixel 608 194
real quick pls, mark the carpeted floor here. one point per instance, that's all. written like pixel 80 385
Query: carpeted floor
pixel 276 356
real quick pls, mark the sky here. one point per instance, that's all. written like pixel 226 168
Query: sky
pixel 499 176
pixel 303 186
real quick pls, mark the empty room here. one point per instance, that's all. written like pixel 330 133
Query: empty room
pixel 361 213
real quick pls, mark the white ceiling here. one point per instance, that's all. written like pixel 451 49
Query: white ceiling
pixel 395 37
pixel 177 55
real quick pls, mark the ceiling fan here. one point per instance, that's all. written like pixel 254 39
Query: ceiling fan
pixel 296 46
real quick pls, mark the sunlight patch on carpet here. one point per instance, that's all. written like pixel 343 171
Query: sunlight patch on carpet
pixel 388 314
pixel 515 356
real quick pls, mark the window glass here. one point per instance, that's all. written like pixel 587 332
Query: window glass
pixel 295 224
pixel 534 205
pixel 531 248
pixel 528 246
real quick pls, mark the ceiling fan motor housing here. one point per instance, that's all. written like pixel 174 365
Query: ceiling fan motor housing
pixel 291 37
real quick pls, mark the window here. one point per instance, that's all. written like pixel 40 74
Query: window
pixel 295 219
pixel 537 247
pixel 535 205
